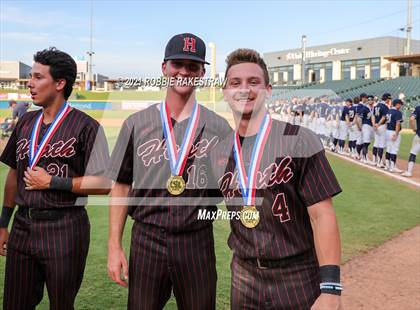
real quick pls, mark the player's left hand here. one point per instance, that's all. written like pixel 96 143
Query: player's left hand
pixel 327 302
pixel 36 179
pixel 394 137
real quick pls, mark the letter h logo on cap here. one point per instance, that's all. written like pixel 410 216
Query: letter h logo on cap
pixel 189 45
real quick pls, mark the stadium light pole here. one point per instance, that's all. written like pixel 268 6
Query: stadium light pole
pixel 91 52
pixel 409 26
pixel 303 58
pixel 213 73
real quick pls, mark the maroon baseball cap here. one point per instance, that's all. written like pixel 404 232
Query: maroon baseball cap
pixel 186 46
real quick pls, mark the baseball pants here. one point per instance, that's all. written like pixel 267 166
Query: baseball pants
pixel 343 131
pixel 358 134
pixel 355 134
pixel 392 147
pixel 335 129
pixel 46 252
pixel 367 133
pixel 380 137
pixel 161 261
pixel 292 286
pixel 415 146
pixel 305 121
pixel 321 126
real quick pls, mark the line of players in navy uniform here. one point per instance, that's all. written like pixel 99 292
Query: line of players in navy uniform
pixel 359 121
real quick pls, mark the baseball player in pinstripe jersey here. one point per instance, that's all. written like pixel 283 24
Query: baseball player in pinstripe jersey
pixel 57 156
pixel 170 248
pixel 277 177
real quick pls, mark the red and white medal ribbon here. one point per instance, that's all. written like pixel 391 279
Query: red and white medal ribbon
pixel 177 160
pixel 35 150
pixel 248 182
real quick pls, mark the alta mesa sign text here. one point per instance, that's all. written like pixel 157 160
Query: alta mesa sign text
pixel 314 54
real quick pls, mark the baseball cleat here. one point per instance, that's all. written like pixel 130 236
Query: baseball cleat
pixel 406 174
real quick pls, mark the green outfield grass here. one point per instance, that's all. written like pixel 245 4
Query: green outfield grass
pixel 372 209
pixel 406 142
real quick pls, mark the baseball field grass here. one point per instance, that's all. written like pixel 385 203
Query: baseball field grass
pixel 370 210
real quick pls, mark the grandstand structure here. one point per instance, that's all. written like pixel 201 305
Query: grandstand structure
pixel 405 87
pixel 347 69
pixel 370 59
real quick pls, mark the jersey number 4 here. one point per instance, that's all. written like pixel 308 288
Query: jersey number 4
pixel 280 208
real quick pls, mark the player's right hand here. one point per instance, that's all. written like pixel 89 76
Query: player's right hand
pixel 4 237
pixel 118 266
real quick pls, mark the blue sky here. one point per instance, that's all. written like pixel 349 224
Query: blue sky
pixel 130 36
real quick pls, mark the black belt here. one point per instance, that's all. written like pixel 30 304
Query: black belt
pixel 275 263
pixel 46 214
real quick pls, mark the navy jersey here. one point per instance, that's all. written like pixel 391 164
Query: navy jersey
pixel 393 117
pixel 294 109
pixel 358 108
pixel 334 110
pixel 416 115
pixel 305 109
pixel 311 108
pixel 380 111
pixel 340 109
pixel 285 108
pixel 366 115
pixel 20 109
pixel 322 109
pixel 350 111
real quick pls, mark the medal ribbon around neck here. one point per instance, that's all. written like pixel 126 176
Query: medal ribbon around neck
pixel 247 182
pixel 35 150
pixel 177 160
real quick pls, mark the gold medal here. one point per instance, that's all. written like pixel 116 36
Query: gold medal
pixel 250 216
pixel 175 185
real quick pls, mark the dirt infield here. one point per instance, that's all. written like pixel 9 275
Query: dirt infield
pixel 386 278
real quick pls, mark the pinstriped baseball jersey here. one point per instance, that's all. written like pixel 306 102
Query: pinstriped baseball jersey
pixel 77 148
pixel 140 158
pixel 293 175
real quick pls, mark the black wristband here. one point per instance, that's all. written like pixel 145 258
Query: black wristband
pixel 330 273
pixel 64 184
pixel 6 215
pixel 330 279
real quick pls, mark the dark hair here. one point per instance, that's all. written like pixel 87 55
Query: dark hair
pixel 62 66
pixel 356 100
pixel 244 55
